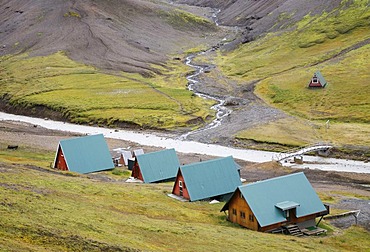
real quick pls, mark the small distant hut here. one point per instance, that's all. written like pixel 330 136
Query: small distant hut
pixel 212 179
pixel 156 166
pixel 317 81
pixel 83 154
pixel 124 157
pixel 137 152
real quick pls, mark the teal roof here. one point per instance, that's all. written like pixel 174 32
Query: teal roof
pixel 86 154
pixel 211 178
pixel 268 198
pixel 158 166
pixel 321 78
pixel 286 205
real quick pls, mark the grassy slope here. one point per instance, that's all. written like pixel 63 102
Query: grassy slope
pixel 53 211
pixel 283 64
pixel 86 95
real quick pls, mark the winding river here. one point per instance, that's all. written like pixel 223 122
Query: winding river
pixel 185 146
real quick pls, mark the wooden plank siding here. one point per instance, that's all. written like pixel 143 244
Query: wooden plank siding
pixel 178 183
pixel 60 161
pixel 136 173
pixel 240 212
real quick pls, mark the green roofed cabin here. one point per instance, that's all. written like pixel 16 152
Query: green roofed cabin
pixel 317 81
pixel 83 154
pixel 212 179
pixel 273 204
pixel 156 166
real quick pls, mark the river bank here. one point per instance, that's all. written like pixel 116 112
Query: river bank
pixel 172 141
pixel 342 189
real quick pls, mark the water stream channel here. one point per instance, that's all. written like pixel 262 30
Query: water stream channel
pixel 184 146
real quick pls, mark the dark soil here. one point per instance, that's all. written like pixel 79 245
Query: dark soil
pixel 124 35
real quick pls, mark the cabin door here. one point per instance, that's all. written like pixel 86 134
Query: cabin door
pixel 180 187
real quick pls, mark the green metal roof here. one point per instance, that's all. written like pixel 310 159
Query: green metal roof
pixel 321 78
pixel 211 178
pixel 158 166
pixel 87 154
pixel 265 196
pixel 286 205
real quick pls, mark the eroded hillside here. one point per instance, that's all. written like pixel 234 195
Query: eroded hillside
pixel 125 35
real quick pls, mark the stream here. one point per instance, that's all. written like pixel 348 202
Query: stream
pixel 184 146
pixel 221 110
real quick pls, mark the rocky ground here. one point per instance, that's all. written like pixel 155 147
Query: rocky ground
pixel 351 190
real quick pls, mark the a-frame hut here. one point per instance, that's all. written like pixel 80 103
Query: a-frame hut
pixel 274 203
pixel 212 179
pixel 317 81
pixel 156 166
pixel 124 157
pixel 83 154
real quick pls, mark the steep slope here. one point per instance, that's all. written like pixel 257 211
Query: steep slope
pixel 126 35
pixel 260 16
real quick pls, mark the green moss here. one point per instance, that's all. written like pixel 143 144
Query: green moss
pixel 85 95
pixel 184 20
pixel 72 14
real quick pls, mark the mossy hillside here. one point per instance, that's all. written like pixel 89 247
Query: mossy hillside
pixel 25 155
pixel 180 19
pixel 293 132
pixel 84 94
pixel 334 43
pixel 44 210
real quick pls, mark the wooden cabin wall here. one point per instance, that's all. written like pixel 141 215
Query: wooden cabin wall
pixel 136 172
pixel 60 161
pixel 240 212
pixel 176 187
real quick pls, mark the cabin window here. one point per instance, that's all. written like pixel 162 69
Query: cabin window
pixel 234 211
pixel 180 184
pixel 242 215
pixel 251 218
pixel 314 80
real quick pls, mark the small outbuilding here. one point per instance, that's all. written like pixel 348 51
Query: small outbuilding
pixel 125 155
pixel 317 81
pixel 156 166
pixel 212 179
pixel 83 154
pixel 276 203
pixel 137 152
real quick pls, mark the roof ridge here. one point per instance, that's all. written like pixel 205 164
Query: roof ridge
pixel 206 162
pixel 272 179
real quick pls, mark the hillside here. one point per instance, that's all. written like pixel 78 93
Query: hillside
pixel 127 35
pixel 44 209
pixel 279 66
pixel 122 64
